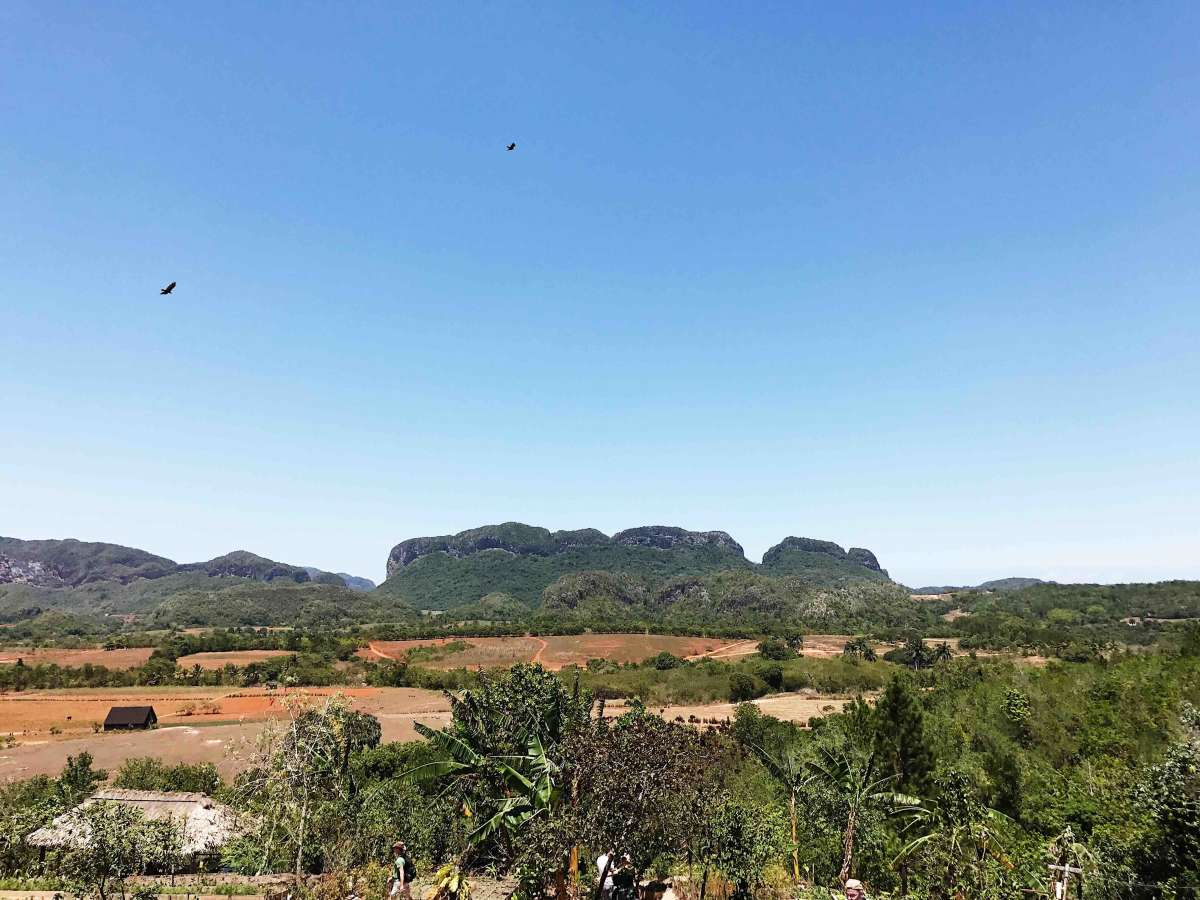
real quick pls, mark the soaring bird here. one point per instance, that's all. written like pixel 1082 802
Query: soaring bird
pixel 170 287
pixel 512 146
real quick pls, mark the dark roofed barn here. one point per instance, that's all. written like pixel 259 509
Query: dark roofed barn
pixel 130 717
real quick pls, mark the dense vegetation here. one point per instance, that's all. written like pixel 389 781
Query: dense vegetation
pixel 965 779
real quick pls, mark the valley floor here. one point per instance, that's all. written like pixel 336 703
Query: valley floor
pixel 226 743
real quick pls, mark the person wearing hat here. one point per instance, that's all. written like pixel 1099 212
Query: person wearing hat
pixel 855 890
pixel 403 872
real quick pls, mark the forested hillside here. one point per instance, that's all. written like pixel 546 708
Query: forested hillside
pixel 518 575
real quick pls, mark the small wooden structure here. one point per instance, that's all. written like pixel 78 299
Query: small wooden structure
pixel 129 717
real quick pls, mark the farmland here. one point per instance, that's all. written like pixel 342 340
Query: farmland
pixel 195 724
pixel 552 651
pixel 223 723
pixel 124 658
pixel 218 660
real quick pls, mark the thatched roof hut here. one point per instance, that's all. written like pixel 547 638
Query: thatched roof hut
pixel 207 825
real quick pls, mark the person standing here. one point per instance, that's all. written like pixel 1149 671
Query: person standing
pixel 604 868
pixel 855 890
pixel 403 872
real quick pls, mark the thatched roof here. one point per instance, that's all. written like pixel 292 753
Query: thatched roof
pixel 206 824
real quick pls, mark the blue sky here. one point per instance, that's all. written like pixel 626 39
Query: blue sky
pixel 919 279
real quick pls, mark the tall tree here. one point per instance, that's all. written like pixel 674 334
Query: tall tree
pixel 853 778
pixel 901 748
pixel 640 783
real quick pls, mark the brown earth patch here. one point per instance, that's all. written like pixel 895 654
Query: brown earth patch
pixel 74 712
pixel 218 660
pixel 226 744
pixel 124 658
pixel 553 651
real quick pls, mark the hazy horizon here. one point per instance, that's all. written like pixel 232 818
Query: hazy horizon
pixel 921 280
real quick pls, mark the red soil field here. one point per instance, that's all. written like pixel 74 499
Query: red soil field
pixel 554 651
pixel 224 739
pixel 129 658
pixel 73 712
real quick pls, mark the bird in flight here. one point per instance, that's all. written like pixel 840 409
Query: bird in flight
pixel 170 287
pixel 512 146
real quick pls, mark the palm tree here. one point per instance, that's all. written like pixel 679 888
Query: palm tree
pixel 860 648
pixel 793 774
pixel 918 653
pixel 854 780
pixel 942 653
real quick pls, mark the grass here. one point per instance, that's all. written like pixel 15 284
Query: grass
pixel 708 680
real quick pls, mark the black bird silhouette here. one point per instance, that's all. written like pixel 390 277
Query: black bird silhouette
pixel 512 146
pixel 170 287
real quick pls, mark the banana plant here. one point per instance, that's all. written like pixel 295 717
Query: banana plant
pixel 791 772
pixel 508 791
pixel 965 832
pixel 853 778
pixel 449 883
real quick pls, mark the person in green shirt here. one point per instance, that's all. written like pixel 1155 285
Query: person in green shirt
pixel 403 872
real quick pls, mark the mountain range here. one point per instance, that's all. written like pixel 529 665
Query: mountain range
pixel 502 572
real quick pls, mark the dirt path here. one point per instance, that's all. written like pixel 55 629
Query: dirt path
pixel 537 657
pixel 371 648
pixel 737 648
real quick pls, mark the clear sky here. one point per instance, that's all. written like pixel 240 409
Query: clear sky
pixel 923 278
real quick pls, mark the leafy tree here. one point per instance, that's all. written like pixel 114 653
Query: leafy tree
pixel 301 788
pixel 667 660
pixel 25 806
pixel 78 779
pixel 502 755
pixel 851 777
pixel 1170 793
pixel 776 649
pixel 743 687
pixel 1018 712
pixel 165 842
pixel 793 776
pixel 640 780
pixel 501 794
pixel 500 714
pixel 109 844
pixel 746 839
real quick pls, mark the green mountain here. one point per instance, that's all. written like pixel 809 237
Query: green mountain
pixel 244 564
pixel 354 582
pixel 822 562
pixel 508 572
pixel 585 574
pixel 99 582
pixel 734 596
pixel 444 572
pixel 71 563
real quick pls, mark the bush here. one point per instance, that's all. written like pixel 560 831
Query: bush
pixel 743 687
pixel 777 649
pixel 667 660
